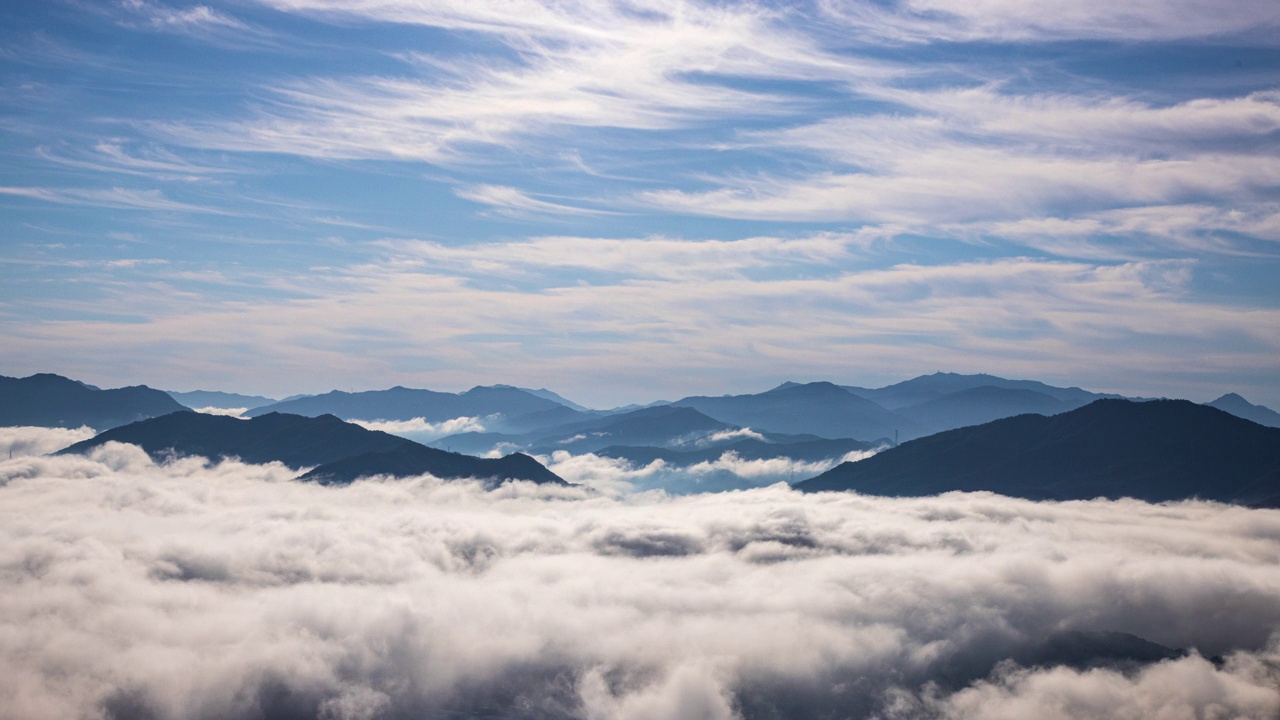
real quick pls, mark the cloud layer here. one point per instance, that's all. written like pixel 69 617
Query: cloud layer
pixel 191 591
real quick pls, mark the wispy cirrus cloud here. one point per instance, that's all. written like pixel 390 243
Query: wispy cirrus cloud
pixel 1045 20
pixel 513 201
pixel 980 154
pixel 636 66
pixel 116 198
pixel 1019 316
pixel 653 257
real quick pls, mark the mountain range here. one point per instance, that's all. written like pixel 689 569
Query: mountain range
pixel 1156 451
pixel 46 400
pixel 500 407
pixel 812 424
pixel 337 451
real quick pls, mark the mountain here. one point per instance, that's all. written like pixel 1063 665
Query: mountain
pixel 979 405
pixel 1242 408
pixel 225 400
pixel 818 408
pixel 54 401
pixel 496 406
pixel 1156 451
pixel 343 450
pixel 932 387
pixel 554 397
pixel 411 459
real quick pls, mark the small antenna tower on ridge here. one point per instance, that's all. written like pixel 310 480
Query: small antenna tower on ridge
pixel 895 437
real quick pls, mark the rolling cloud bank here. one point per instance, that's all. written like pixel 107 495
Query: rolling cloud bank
pixel 195 590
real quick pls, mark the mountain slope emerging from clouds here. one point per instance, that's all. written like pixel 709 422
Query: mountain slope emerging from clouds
pixel 338 451
pixel 47 400
pixel 1155 451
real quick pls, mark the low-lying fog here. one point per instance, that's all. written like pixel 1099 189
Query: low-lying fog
pixel 187 590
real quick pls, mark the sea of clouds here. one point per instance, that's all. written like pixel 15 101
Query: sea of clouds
pixel 186 589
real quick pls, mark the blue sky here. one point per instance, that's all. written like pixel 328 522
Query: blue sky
pixel 626 201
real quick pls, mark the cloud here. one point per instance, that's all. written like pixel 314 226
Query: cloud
pixel 1020 317
pixel 724 435
pixel 655 257
pixel 115 198
pixel 513 201
pixel 1044 20
pixel 955 155
pixel 194 590
pixel 419 428
pixel 233 412
pixel 617 477
pixel 21 441
pixel 634 66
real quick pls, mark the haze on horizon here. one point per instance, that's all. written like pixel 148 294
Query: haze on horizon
pixel 633 200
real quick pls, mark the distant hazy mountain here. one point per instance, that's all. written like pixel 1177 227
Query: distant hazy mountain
pixel 661 426
pixel 932 387
pixel 501 407
pixel 54 401
pixel 818 408
pixel 980 405
pixel 1242 408
pixel 554 397
pixel 211 398
pixel 345 451
pixel 1155 451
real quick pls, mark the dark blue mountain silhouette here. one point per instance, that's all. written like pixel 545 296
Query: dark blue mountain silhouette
pixel 47 400
pixel 338 451
pixel 1156 451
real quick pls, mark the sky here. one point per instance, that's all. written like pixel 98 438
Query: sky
pixel 626 201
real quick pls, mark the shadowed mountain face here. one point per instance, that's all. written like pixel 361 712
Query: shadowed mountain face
pixel 1155 451
pixel 1242 408
pixel 339 451
pixel 213 398
pixel 927 388
pixel 54 401
pixel 504 408
pixel 413 459
pixel 819 408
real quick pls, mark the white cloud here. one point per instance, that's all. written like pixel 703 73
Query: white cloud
pixel 1046 20
pixel 232 412
pixel 116 197
pixel 418 428
pixel 745 433
pixel 661 257
pixel 631 65
pixel 195 590
pixel 777 468
pixel 1017 317
pixel 513 201
pixel 22 440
